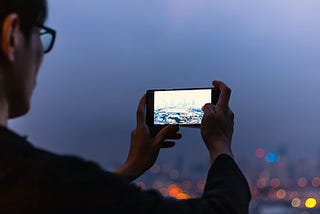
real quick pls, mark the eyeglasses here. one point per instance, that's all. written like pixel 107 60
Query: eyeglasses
pixel 47 36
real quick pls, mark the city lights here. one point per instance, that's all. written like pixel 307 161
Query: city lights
pixel 261 183
pixel 275 182
pixel 272 178
pixel 316 182
pixel 296 202
pixel 182 196
pixel 272 157
pixel 174 190
pixel 260 153
pixel 311 203
pixel 281 194
pixel 302 182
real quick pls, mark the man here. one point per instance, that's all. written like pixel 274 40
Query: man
pixel 38 181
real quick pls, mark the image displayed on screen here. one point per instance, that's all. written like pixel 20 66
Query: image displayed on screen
pixel 181 107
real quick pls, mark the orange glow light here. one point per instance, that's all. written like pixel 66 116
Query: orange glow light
pixel 182 196
pixel 281 194
pixel 173 190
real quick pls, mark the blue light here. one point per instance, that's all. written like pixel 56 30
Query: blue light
pixel 272 157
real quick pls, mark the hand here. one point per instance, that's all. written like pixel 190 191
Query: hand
pixel 145 148
pixel 217 124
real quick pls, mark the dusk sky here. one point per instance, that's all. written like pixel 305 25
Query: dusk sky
pixel 108 53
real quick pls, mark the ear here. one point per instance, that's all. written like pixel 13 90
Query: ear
pixel 10 36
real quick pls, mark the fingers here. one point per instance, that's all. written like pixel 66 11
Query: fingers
pixel 133 133
pixel 231 114
pixel 167 144
pixel 225 93
pixel 175 136
pixel 168 132
pixel 141 115
pixel 208 108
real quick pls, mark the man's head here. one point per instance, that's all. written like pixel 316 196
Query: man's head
pixel 22 45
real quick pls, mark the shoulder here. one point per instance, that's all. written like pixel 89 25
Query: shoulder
pixel 69 169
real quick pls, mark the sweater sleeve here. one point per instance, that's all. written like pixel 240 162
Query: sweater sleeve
pixel 76 186
pixel 226 188
pixel 226 191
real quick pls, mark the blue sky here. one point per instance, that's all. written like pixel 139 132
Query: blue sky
pixel 108 53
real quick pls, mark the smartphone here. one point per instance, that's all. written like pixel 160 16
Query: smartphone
pixel 178 106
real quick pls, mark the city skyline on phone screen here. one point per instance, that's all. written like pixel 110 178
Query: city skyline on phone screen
pixel 181 107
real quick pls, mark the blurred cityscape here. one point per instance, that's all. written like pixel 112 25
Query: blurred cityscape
pixel 278 184
pixel 176 115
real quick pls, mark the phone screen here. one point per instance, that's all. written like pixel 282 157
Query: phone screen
pixel 180 106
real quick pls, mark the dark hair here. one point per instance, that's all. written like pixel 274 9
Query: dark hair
pixel 31 12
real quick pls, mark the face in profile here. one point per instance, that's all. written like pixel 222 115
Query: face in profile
pixel 24 56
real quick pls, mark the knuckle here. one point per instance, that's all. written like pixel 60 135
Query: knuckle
pixel 228 90
pixel 206 105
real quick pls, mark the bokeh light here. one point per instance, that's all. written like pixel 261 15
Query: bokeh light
pixel 141 184
pixel 281 194
pixel 296 202
pixel 262 183
pixel 260 153
pixel 302 182
pixel 275 182
pixel 253 204
pixel 173 190
pixel 182 196
pixel 272 157
pixel 311 203
pixel 316 182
